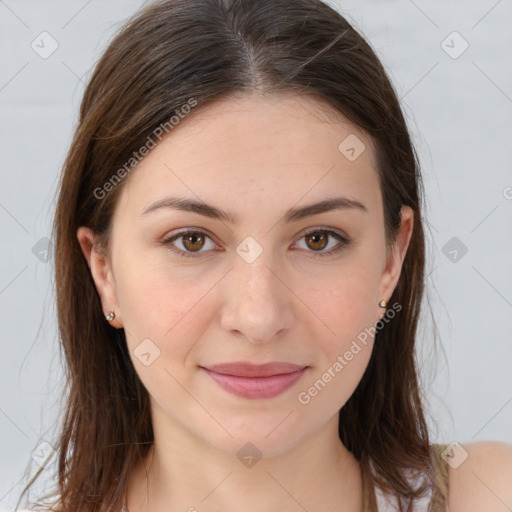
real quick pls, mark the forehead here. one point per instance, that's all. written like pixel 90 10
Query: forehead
pixel 264 148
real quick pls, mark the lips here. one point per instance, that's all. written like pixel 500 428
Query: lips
pixel 255 370
pixel 252 381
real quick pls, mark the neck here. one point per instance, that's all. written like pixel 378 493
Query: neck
pixel 319 473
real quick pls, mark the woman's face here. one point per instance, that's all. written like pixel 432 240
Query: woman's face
pixel 250 284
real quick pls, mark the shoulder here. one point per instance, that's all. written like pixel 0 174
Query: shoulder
pixel 480 477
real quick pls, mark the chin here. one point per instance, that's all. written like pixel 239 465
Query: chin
pixel 257 437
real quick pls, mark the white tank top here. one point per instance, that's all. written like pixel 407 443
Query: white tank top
pixel 387 503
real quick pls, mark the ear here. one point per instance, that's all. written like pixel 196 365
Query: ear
pixel 396 256
pixel 101 271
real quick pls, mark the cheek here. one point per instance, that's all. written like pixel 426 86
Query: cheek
pixel 336 376
pixel 345 301
pixel 158 303
pixel 346 306
pixel 344 345
pixel 162 326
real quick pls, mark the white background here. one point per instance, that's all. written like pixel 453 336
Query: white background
pixel 460 114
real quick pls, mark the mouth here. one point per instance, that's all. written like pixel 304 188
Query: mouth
pixel 252 381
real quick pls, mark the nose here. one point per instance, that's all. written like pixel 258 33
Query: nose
pixel 258 304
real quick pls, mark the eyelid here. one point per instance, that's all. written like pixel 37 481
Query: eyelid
pixel 169 239
pixel 343 239
pixel 334 231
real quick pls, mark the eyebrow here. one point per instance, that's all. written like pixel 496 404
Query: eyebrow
pixel 292 215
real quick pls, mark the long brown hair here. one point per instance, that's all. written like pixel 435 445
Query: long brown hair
pixel 172 52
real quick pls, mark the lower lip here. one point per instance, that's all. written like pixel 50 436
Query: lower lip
pixel 256 387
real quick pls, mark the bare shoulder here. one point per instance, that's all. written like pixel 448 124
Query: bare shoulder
pixel 480 477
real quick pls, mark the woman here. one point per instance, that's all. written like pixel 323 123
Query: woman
pixel 240 270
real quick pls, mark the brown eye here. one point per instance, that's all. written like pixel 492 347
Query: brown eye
pixel 193 241
pixel 189 243
pixel 317 240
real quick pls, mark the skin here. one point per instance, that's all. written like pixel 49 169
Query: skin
pixel 248 154
pixel 255 156
pixel 483 482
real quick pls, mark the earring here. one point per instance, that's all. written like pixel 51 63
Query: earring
pixel 110 316
pixel 383 304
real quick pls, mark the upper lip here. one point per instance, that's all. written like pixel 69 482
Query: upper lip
pixel 244 369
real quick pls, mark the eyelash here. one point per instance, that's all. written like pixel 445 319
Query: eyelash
pixel 344 242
